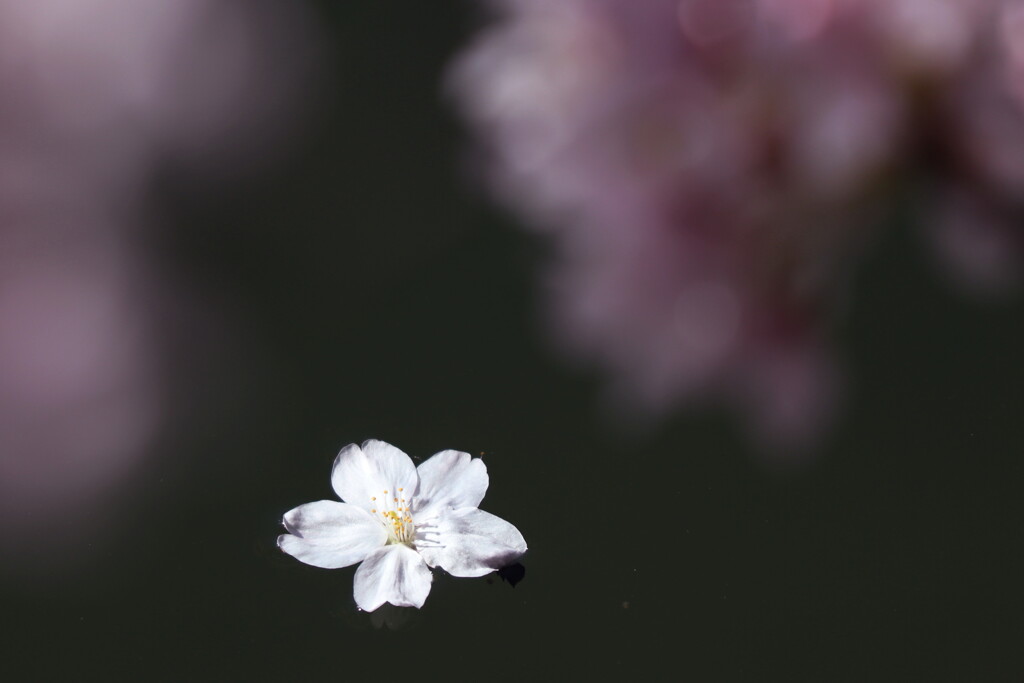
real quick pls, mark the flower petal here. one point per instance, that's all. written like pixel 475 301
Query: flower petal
pixel 449 479
pixel 361 474
pixel 329 534
pixel 472 542
pixel 396 574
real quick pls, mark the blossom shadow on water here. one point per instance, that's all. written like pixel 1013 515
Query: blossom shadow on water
pixel 513 573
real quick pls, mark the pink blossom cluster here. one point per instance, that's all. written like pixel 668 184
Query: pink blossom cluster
pixel 96 94
pixel 709 170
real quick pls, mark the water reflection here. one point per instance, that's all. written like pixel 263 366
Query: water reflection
pixel 711 173
pixel 100 96
pixel 392 618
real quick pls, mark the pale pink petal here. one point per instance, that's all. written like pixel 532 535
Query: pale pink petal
pixel 471 542
pixel 330 535
pixel 449 479
pixel 395 574
pixel 364 475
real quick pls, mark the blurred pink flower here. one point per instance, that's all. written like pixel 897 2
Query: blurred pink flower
pixel 96 95
pixel 710 169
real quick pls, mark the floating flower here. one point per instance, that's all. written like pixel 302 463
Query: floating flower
pixel 400 520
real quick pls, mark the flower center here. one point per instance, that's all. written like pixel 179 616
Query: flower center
pixel 393 512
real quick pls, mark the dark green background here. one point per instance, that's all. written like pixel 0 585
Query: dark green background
pixel 372 291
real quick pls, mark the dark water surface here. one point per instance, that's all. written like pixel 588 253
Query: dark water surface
pixel 378 295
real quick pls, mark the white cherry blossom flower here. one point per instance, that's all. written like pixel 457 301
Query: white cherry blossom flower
pixel 400 520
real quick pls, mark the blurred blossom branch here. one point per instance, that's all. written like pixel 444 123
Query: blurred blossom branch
pixel 97 94
pixel 710 170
